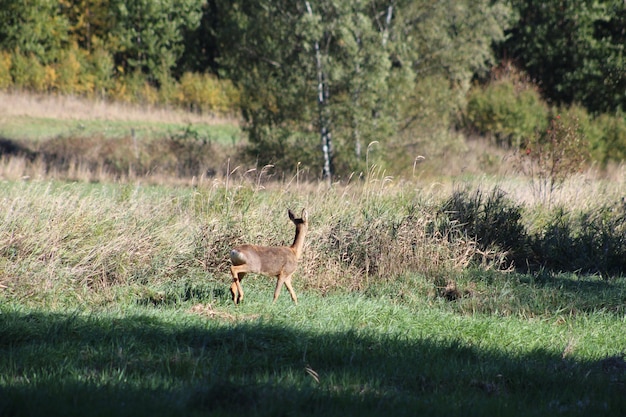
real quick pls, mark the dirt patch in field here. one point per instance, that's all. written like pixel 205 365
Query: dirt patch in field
pixel 208 311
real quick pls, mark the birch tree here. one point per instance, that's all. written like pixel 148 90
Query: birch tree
pixel 346 71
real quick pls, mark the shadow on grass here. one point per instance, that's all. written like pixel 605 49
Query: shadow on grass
pixel 180 154
pixel 71 364
pixel 11 147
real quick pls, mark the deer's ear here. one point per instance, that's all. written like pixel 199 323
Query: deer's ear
pixel 305 215
pixel 291 215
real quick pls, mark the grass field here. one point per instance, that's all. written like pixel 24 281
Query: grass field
pixel 76 139
pixel 116 303
pixel 36 118
pixel 114 298
pixel 344 354
pixel 29 129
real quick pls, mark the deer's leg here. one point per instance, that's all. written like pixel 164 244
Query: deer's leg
pixel 279 285
pixel 239 287
pixel 290 289
pixel 235 288
pixel 234 292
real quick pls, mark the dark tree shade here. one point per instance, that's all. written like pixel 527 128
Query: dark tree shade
pixel 574 49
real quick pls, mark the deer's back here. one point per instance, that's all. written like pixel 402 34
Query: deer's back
pixel 268 260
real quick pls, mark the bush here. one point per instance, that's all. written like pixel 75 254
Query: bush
pixel 169 91
pixel 610 144
pixel 183 154
pixel 591 241
pixel 68 71
pixel 135 88
pixel 6 80
pixel 509 114
pixel 550 158
pixel 286 149
pixel 493 221
pixel 101 71
pixel 28 73
pixel 205 93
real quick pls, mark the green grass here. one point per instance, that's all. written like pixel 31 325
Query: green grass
pixel 342 354
pixel 25 128
pixel 114 301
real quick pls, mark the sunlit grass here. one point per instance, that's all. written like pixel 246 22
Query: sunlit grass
pixel 97 236
pixel 29 129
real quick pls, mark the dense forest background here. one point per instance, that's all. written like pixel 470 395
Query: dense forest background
pixel 337 87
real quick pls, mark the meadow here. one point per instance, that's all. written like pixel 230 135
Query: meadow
pixel 438 296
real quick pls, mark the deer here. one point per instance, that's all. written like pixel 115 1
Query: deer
pixel 271 261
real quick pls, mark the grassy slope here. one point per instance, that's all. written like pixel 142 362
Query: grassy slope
pixel 34 118
pixel 25 128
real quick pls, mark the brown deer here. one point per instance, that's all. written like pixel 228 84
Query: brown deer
pixel 273 261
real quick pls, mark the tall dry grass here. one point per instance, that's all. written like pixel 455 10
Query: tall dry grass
pixel 63 107
pixel 88 239
pixel 90 225
pixel 91 237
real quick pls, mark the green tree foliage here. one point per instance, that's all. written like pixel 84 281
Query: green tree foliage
pixel 393 75
pixel 452 37
pixel 262 48
pixel 268 49
pixel 110 48
pixel 147 36
pixel 89 21
pixel 509 109
pixel 373 54
pixel 445 44
pixel 201 47
pixel 574 49
pixel 33 27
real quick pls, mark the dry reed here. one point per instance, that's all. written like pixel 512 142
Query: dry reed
pixel 76 108
pixel 93 237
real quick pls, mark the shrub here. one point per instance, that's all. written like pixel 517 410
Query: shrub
pixel 605 135
pixel 610 144
pixel 550 158
pixel 101 70
pixel 590 241
pixel 68 69
pixel 505 112
pixel 28 73
pixel 169 91
pixel 185 154
pixel 493 221
pixel 286 149
pixel 206 93
pixel 135 88
pixel 6 80
pixel 194 154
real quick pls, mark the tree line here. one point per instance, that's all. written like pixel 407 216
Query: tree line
pixel 370 82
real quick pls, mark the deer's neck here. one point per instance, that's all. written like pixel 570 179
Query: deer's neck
pixel 298 241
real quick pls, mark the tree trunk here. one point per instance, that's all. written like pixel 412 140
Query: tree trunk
pixel 322 100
